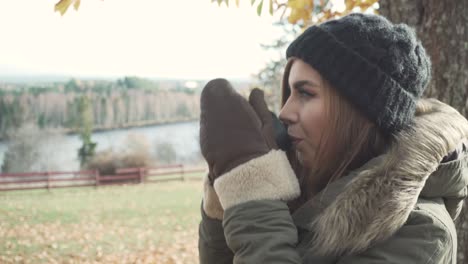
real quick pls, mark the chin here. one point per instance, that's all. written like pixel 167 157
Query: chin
pixel 305 159
pixel 302 159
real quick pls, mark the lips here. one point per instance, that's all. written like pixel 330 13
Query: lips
pixel 295 140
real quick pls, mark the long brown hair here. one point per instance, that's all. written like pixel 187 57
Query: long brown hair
pixel 348 141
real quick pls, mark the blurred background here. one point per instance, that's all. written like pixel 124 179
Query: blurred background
pixel 100 98
pixel 129 71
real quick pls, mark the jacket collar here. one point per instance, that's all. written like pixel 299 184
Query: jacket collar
pixel 371 203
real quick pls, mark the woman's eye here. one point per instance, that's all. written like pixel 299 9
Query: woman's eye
pixel 304 93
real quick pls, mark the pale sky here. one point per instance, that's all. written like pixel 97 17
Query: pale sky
pixel 149 38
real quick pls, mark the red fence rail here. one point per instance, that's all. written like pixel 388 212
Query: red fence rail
pixel 62 179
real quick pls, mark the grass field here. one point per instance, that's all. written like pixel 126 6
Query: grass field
pixel 152 223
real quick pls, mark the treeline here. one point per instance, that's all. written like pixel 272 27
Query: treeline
pixel 130 101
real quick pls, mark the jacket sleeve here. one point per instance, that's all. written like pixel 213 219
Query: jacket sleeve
pixel 212 247
pixel 424 239
pixel 261 231
pixel 257 224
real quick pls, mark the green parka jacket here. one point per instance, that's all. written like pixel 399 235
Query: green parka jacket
pixel 380 213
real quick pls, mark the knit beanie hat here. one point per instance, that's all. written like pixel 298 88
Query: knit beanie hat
pixel 380 67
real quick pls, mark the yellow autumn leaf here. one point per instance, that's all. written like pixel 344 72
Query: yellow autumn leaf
pixel 294 16
pixel 259 8
pixel 63 5
pixel 306 15
pixel 295 4
pixel 350 4
pixel 77 4
pixel 367 4
pixel 310 8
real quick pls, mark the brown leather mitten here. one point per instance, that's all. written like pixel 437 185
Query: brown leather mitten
pixel 231 132
pixel 238 142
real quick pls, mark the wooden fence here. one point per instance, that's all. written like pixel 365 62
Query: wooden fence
pixel 62 179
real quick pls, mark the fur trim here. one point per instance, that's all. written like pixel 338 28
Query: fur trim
pixel 211 204
pixel 268 177
pixel 378 201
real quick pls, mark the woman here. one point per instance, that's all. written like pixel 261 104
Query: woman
pixel 376 174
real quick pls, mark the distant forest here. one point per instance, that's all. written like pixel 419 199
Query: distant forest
pixel 130 101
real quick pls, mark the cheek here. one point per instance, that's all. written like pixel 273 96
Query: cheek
pixel 313 121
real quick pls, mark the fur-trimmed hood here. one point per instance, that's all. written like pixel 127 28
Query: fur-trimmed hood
pixel 371 203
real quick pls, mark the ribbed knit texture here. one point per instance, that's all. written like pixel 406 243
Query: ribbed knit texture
pixel 380 67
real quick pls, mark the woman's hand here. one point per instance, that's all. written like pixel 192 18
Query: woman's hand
pixel 232 130
pixel 237 140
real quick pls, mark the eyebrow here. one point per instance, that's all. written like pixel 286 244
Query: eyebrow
pixel 298 84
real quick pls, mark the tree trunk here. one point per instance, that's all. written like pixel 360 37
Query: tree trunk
pixel 442 26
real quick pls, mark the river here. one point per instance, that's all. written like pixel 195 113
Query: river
pixel 182 136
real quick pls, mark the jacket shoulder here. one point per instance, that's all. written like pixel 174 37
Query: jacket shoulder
pixel 432 217
pixel 427 237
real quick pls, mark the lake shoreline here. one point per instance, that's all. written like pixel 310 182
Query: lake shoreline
pixel 123 126
pixel 60 153
pixel 143 124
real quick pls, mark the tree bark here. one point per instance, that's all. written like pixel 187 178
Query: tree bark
pixel 442 26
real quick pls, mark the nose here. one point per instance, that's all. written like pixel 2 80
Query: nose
pixel 288 113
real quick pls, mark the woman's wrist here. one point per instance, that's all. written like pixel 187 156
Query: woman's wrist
pixel 211 204
pixel 268 177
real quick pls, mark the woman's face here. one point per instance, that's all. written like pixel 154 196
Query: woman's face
pixel 304 110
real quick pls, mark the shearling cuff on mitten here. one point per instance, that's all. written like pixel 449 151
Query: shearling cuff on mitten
pixel 268 177
pixel 211 204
